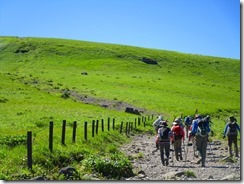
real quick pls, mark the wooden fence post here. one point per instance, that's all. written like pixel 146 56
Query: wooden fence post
pixel 135 122
pixel 63 132
pixel 108 124
pixel 126 128
pixel 74 131
pixel 97 127
pixel 102 125
pixel 51 136
pixel 29 149
pixel 121 127
pixel 93 127
pixel 85 130
pixel 139 121
pixel 113 123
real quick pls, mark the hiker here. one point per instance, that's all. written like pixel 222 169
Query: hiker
pixel 164 134
pixel 156 125
pixel 200 129
pixel 231 131
pixel 178 137
pixel 157 122
pixel 188 122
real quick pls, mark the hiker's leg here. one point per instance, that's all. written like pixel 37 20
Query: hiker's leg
pixel 187 130
pixel 235 145
pixel 199 144
pixel 204 149
pixel 180 149
pixel 230 140
pixel 161 148
pixel 176 144
pixel 167 149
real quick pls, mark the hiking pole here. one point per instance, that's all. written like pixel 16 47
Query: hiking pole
pixel 186 151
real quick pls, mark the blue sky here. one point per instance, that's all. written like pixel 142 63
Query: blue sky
pixel 205 27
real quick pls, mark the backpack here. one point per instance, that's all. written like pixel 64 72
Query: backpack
pixel 164 132
pixel 202 128
pixel 232 129
pixel 177 132
pixel 188 121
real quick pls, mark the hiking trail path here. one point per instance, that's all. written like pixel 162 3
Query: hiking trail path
pixel 145 158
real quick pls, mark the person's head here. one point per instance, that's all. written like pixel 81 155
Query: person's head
pixel 232 118
pixel 164 123
pixel 177 120
pixel 198 116
pixel 207 118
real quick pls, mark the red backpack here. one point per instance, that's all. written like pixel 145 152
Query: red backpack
pixel 177 132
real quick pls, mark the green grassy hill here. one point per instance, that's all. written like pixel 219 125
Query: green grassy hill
pixel 44 79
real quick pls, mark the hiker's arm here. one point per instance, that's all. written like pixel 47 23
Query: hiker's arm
pixel 194 128
pixel 225 130
pixel 238 127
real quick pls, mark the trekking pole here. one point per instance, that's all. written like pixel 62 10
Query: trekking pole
pixel 186 150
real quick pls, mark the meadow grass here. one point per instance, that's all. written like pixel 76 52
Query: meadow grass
pixel 37 73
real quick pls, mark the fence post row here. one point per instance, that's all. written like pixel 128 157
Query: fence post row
pixel 129 127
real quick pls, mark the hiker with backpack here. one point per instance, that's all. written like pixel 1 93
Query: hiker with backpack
pixel 164 135
pixel 156 124
pixel 178 137
pixel 188 122
pixel 200 129
pixel 231 131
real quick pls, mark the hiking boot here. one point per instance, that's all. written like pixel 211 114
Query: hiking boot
pixel 199 161
pixel 157 146
pixel 203 165
pixel 167 162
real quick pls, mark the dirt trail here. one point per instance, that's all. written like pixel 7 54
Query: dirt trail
pixel 148 166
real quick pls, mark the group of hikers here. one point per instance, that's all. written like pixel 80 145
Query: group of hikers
pixel 196 130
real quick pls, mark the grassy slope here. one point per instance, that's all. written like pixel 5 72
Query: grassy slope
pixel 32 68
pixel 182 83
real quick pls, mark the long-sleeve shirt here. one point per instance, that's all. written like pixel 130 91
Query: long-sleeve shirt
pixel 227 125
pixel 195 126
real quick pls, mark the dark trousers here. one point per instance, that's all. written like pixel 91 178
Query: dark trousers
pixel 201 144
pixel 232 139
pixel 164 148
